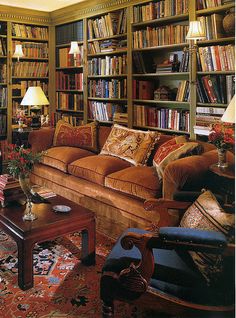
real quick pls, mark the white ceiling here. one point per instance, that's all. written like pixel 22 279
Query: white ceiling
pixel 42 5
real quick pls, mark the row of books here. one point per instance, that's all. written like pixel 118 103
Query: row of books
pixel 3 124
pixel 3 97
pixel 20 88
pixel 157 36
pixel 160 9
pixel 3 73
pixel 108 89
pixel 103 111
pixel 216 58
pixel 4 149
pixel 143 89
pixel 110 65
pixel 64 59
pixel 212 26
pixel 70 81
pixel 204 4
pixel 30 69
pixel 107 46
pixel 65 101
pixel 183 93
pixel 29 31
pixel 216 89
pixel 72 31
pixel 32 49
pixel 175 119
pixel 107 25
pixel 3 46
pixel 206 117
pixel 3 28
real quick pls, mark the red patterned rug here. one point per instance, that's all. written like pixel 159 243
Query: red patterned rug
pixel 63 287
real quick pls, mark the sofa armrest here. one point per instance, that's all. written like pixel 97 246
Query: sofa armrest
pixel 189 171
pixel 41 139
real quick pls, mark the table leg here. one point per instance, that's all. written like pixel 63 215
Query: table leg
pixel 88 244
pixel 25 264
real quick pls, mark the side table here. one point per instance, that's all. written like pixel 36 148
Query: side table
pixel 223 182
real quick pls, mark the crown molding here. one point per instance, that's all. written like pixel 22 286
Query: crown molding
pixel 16 14
pixel 86 9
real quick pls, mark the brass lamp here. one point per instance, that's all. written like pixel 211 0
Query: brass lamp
pixel 35 98
pixel 195 31
pixel 18 52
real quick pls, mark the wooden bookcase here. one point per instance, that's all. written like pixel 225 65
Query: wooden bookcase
pixel 69 73
pixel 217 68
pixel 3 80
pixel 33 68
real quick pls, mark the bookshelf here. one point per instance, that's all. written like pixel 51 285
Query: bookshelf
pixel 69 73
pixel 107 66
pixel 215 67
pixel 160 74
pixel 32 69
pixel 3 80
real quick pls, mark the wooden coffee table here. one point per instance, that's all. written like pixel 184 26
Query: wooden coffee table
pixel 47 226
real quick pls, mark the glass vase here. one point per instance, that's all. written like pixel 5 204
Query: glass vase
pixel 25 186
pixel 222 158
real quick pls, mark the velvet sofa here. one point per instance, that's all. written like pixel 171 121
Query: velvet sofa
pixel 111 187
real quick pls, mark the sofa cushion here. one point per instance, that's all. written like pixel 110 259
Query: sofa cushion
pixel 206 214
pixel 172 150
pixel 79 136
pixel 132 145
pixel 60 157
pixel 141 182
pixel 96 168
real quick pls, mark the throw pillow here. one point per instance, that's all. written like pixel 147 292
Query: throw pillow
pixel 132 145
pixel 206 214
pixel 171 150
pixel 79 136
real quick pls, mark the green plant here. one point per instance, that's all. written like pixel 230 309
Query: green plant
pixel 21 160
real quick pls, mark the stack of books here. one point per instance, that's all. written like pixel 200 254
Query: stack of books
pixel 10 189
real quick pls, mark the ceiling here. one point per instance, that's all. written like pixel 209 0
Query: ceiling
pixel 42 5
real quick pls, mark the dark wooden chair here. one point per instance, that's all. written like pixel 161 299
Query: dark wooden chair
pixel 156 271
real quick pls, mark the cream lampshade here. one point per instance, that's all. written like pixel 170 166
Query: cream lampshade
pixel 18 52
pixel 74 48
pixel 34 97
pixel 229 114
pixel 195 31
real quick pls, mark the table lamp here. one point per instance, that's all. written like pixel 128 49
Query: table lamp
pixel 74 49
pixel 35 98
pixel 18 52
pixel 229 114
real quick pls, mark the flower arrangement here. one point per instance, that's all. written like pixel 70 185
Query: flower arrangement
pixel 222 136
pixel 21 160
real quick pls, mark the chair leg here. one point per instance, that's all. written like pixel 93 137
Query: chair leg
pixel 107 309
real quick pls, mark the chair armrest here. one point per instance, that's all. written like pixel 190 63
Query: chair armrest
pixel 189 239
pixel 41 139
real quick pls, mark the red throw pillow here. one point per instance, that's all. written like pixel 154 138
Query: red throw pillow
pixel 171 150
pixel 79 136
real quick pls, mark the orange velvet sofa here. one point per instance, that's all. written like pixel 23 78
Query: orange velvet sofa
pixel 111 187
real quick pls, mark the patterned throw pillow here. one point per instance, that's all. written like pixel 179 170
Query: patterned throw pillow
pixel 132 145
pixel 206 214
pixel 171 150
pixel 79 136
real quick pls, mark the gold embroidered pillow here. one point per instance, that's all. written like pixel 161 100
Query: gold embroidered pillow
pixel 132 145
pixel 79 136
pixel 171 150
pixel 206 214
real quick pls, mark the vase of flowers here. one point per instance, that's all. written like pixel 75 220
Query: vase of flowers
pixel 20 164
pixel 222 136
